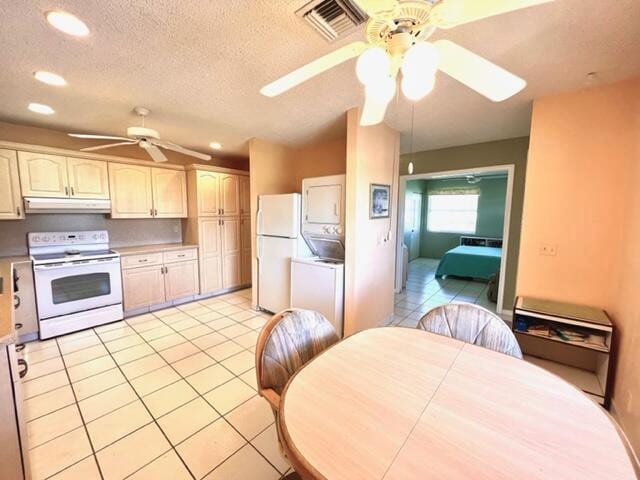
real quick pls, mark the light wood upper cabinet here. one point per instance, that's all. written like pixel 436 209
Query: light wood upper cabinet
pixel 181 279
pixel 208 186
pixel 245 195
pixel 131 191
pixel 169 193
pixel 10 199
pixel 43 175
pixel 230 194
pixel 88 178
pixel 142 287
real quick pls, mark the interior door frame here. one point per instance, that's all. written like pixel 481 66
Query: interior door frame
pixel 510 169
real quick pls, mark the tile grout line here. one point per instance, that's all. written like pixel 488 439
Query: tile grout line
pixel 84 424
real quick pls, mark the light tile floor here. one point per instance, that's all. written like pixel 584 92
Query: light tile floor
pixel 165 395
pixel 424 291
pixel 172 394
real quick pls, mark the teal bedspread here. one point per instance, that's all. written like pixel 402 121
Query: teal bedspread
pixel 475 262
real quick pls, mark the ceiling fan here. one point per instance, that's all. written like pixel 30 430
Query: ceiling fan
pixel 396 41
pixel 145 138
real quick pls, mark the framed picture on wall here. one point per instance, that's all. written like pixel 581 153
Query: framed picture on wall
pixel 379 203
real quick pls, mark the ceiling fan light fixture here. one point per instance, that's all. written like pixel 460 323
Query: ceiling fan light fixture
pixel 49 78
pixel 372 66
pixel 415 88
pixel 381 90
pixel 420 60
pixel 67 23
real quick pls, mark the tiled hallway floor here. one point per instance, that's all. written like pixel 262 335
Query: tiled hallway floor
pixel 169 395
pixel 424 292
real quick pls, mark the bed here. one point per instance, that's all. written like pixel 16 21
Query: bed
pixel 467 261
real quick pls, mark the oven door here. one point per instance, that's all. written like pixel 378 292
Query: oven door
pixel 63 288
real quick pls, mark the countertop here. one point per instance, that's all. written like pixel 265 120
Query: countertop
pixel 162 247
pixel 7 332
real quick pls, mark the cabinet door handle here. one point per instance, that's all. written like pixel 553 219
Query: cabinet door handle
pixel 151 212
pixel 18 326
pixel 23 363
pixel 17 300
pixel 181 255
pixel 18 211
pixel 155 212
pixel 73 192
pixel 142 260
pixel 19 347
pixel 66 191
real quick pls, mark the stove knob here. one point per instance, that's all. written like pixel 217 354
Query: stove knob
pixel 102 236
pixel 45 239
pixel 36 239
pixel 339 230
pixel 95 236
pixel 325 229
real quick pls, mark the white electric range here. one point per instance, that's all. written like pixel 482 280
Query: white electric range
pixel 77 279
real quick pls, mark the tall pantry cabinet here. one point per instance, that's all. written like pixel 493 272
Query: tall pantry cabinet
pixel 218 222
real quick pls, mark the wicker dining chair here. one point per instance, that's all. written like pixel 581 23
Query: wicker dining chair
pixel 286 343
pixel 471 324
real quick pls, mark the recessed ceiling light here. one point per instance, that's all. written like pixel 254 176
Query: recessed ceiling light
pixel 41 108
pixel 50 78
pixel 215 145
pixel 67 23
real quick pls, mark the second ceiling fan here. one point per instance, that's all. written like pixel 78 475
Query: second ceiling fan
pixel 396 34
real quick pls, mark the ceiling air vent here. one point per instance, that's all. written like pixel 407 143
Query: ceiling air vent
pixel 332 18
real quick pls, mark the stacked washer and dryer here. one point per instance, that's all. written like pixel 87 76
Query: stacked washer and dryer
pixel 317 282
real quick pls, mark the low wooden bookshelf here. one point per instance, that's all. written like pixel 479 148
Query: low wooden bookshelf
pixel 574 342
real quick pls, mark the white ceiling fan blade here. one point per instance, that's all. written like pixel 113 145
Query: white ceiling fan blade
pixel 373 111
pixel 314 68
pixel 477 73
pixel 184 151
pixel 99 137
pixel 451 13
pixel 377 8
pixel 154 152
pixel 109 145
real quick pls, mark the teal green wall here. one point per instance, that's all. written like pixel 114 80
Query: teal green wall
pixel 512 151
pixel 490 220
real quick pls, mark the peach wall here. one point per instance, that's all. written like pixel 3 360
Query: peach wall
pixel 321 159
pixel 581 195
pixel 11 132
pixel 372 157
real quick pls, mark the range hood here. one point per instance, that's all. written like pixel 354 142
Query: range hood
pixel 66 205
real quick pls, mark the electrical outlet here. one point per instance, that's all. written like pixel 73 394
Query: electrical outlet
pixel 548 250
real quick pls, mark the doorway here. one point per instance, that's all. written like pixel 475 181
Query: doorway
pixel 451 216
pixel 413 223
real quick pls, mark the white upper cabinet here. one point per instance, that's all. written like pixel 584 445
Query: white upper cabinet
pixel 10 199
pixel 43 175
pixel 230 194
pixel 169 193
pixel 88 178
pixel 131 191
pixel 324 204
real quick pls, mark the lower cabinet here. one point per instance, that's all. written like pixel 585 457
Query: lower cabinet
pixel 147 281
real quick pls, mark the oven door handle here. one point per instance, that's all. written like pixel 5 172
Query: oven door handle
pixel 90 263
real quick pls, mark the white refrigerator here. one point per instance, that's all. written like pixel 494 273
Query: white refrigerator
pixel 279 240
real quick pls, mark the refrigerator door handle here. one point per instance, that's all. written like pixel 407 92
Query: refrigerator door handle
pixel 259 252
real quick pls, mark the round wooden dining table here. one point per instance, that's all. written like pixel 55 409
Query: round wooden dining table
pixel 400 403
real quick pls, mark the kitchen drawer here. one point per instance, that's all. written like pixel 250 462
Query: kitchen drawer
pixel 142 260
pixel 181 255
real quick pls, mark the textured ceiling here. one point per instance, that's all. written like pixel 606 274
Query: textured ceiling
pixel 199 65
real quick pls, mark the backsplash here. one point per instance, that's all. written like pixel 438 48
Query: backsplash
pixel 122 233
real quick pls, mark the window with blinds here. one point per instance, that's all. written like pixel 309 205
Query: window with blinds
pixel 452 213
